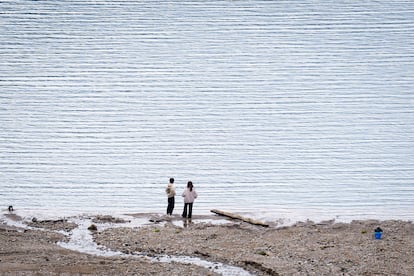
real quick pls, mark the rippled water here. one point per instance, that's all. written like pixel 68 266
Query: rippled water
pixel 301 109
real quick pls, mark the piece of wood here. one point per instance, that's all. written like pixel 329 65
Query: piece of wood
pixel 235 216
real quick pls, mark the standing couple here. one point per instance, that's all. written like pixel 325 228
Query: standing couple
pixel 189 195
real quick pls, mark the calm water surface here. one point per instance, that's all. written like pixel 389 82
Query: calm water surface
pixel 299 109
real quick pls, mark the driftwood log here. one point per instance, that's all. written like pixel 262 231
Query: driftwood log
pixel 235 216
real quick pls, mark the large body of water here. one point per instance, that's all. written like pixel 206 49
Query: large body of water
pixel 299 109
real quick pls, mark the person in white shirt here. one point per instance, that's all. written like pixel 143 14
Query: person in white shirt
pixel 189 195
pixel 170 191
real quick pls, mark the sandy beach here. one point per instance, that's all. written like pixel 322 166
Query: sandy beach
pixel 305 248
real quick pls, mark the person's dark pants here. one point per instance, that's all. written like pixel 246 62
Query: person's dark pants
pixel 190 210
pixel 170 208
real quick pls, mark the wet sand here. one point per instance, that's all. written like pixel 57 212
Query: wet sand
pixel 306 248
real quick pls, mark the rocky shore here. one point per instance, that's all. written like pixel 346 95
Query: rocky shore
pixel 306 248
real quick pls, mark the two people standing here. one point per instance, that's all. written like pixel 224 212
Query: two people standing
pixel 189 196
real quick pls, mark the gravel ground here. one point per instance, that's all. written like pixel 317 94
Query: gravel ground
pixel 35 252
pixel 302 249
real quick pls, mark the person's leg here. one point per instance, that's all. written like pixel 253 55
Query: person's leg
pixel 169 206
pixel 185 210
pixel 190 209
pixel 172 205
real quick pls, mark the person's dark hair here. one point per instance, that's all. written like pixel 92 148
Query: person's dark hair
pixel 171 180
pixel 190 185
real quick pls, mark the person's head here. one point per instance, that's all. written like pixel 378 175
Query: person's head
pixel 190 185
pixel 171 180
